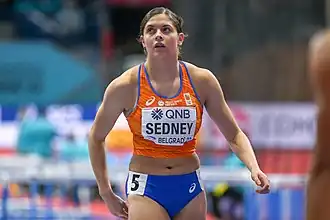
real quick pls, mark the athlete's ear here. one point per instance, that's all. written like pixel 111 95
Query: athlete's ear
pixel 181 39
pixel 142 42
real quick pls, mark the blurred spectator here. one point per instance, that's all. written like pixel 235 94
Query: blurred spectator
pixel 72 150
pixel 36 136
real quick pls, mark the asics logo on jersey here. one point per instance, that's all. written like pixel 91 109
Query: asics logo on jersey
pixel 150 101
pixel 157 114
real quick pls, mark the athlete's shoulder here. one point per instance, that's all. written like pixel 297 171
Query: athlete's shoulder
pixel 199 74
pixel 202 80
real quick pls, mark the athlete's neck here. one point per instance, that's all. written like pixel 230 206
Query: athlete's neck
pixel 162 69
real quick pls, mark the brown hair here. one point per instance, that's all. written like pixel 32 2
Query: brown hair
pixel 176 20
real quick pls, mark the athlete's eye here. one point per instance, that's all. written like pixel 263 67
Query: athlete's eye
pixel 166 29
pixel 150 30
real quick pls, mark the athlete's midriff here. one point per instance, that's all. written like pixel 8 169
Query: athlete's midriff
pixel 164 166
pixel 164 129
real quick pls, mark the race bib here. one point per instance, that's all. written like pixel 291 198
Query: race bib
pixel 171 126
pixel 136 183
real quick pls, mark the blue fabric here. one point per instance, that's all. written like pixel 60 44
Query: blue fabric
pixel 173 192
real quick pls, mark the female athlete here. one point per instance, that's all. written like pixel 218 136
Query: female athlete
pixel 163 101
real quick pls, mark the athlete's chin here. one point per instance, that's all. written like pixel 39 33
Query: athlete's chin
pixel 161 54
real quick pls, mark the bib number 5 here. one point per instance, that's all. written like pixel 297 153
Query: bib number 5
pixel 136 183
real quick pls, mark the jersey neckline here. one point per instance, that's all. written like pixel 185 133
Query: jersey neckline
pixel 154 90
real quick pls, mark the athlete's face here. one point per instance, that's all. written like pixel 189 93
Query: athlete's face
pixel 161 37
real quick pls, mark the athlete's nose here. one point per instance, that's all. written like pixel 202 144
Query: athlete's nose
pixel 159 35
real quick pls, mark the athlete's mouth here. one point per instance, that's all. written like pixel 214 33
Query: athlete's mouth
pixel 159 45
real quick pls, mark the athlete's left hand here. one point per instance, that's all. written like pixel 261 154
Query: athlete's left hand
pixel 261 180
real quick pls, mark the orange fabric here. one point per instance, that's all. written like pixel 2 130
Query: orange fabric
pixel 149 104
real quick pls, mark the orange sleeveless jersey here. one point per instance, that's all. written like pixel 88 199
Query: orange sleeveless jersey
pixel 165 127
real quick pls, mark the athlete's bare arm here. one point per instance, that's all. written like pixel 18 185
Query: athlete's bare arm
pixel 318 194
pixel 213 98
pixel 118 97
pixel 220 113
pixel 319 68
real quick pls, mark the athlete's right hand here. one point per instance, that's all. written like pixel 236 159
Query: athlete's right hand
pixel 116 205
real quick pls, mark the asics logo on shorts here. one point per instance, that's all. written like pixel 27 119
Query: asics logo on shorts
pixel 169 125
pixel 192 188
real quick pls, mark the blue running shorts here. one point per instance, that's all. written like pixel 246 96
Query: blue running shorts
pixel 172 192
